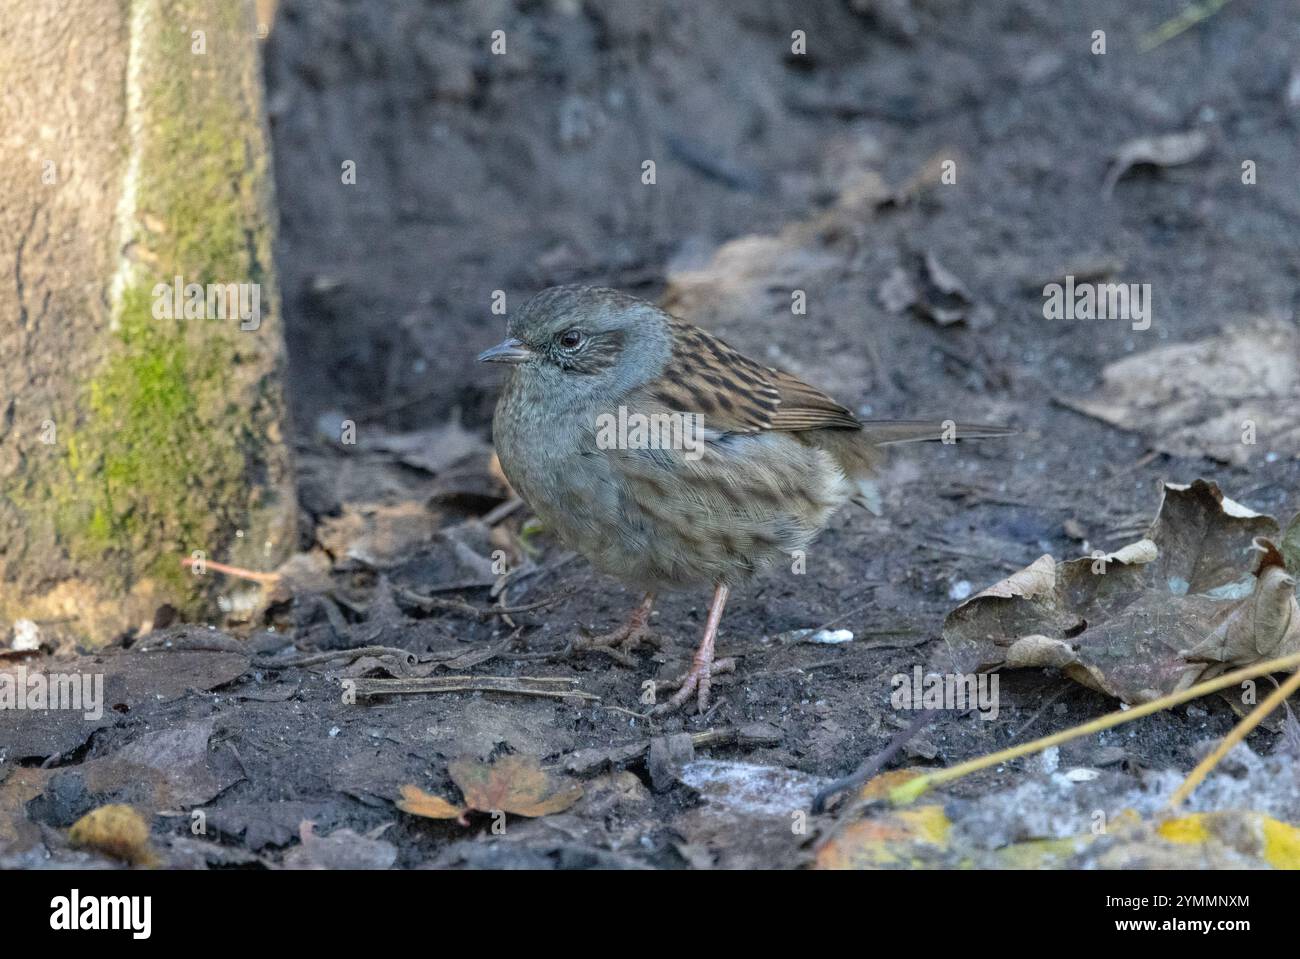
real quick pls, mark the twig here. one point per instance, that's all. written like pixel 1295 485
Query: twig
pixel 428 603
pixel 873 764
pixel 584 760
pixel 266 579
pixel 1064 688
pixel 1238 733
pixel 457 684
pixel 350 655
pixel 500 512
pixel 917 787
pixel 1181 23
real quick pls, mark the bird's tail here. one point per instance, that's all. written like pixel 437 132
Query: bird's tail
pixel 860 456
pixel 890 432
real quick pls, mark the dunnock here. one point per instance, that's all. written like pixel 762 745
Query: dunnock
pixel 750 468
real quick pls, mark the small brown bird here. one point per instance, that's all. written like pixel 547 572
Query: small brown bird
pixel 670 460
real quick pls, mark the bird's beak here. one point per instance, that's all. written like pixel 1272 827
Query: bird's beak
pixel 511 351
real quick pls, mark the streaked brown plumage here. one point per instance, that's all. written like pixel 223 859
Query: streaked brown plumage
pixel 777 457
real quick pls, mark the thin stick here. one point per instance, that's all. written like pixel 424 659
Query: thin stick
pixel 1181 23
pixel 405 655
pixel 458 684
pixel 914 788
pixel 498 513
pixel 1238 733
pixel 266 579
pixel 430 603
pixel 873 764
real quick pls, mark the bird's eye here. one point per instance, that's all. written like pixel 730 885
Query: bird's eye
pixel 571 339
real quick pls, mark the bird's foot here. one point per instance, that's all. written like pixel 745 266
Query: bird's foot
pixel 620 643
pixel 697 681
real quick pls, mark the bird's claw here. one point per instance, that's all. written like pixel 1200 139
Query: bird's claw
pixel 618 644
pixel 698 680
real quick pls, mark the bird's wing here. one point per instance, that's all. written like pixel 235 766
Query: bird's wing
pixel 735 394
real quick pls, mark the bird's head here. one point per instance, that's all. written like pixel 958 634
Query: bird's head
pixel 584 344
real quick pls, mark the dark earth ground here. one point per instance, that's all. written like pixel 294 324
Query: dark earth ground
pixel 478 173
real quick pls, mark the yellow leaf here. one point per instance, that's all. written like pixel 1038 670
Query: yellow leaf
pixel 895 840
pixel 879 787
pixel 115 830
pixel 1281 844
pixel 417 802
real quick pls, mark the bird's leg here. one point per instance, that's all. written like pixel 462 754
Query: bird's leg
pixel 699 679
pixel 622 641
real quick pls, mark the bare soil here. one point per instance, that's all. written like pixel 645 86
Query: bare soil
pixel 477 173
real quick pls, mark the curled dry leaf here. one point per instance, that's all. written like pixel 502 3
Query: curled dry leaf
pixel 1173 149
pixel 1181 604
pixel 930 289
pixel 513 784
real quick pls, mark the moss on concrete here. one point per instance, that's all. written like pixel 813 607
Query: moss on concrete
pixel 176 445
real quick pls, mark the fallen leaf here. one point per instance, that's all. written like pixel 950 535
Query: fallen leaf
pixel 433 450
pixel 928 288
pixel 341 849
pixel 1172 149
pixel 924 838
pixel 878 786
pixel 515 784
pixel 116 830
pixel 1179 605
pixel 417 802
pixel 379 535
pixel 1234 397
pixel 904 839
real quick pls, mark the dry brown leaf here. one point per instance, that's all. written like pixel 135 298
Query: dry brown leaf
pixel 1290 546
pixel 1179 605
pixel 380 535
pixel 1172 149
pixel 1234 397
pixel 515 784
pixel 927 287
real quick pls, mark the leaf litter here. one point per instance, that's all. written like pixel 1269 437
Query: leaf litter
pixel 1203 590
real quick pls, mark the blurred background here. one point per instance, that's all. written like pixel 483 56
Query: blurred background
pixel 479 172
